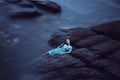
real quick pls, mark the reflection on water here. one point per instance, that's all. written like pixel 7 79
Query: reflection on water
pixel 33 34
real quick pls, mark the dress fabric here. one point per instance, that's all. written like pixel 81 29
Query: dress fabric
pixel 62 48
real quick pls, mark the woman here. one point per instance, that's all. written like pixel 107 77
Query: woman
pixel 62 49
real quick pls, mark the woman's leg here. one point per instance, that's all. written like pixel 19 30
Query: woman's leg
pixel 45 55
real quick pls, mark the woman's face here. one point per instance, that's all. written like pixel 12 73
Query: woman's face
pixel 68 41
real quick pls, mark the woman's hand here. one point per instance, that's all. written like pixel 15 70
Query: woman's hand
pixel 59 50
pixel 66 52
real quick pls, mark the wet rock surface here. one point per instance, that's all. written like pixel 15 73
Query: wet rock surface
pixel 95 56
pixel 24 13
pixel 49 6
pixel 111 29
pixel 31 8
pixel 75 34
pixel 25 4
pixel 13 1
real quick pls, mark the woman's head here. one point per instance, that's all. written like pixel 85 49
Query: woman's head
pixel 68 41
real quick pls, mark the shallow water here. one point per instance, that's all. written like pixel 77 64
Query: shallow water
pixel 31 35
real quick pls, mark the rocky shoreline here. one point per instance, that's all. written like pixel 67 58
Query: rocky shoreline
pixel 96 54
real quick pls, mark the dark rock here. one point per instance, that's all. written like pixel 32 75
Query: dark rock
pixel 49 6
pixel 115 56
pixel 76 73
pixel 80 79
pixel 85 55
pixel 53 63
pixel 111 29
pixel 13 1
pixel 106 48
pixel 109 66
pixel 57 38
pixel 74 34
pixel 60 78
pixel 51 75
pixel 114 70
pixel 102 63
pixel 92 40
pixel 24 13
pixel 92 79
pixel 25 4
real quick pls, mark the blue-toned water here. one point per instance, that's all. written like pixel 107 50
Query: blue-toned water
pixel 31 35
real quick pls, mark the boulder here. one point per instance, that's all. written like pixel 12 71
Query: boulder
pixel 74 34
pixel 49 6
pixel 86 55
pixel 92 79
pixel 45 65
pixel 102 63
pixel 106 48
pixel 115 56
pixel 13 1
pixel 53 75
pixel 84 72
pixel 111 29
pixel 110 66
pixel 57 38
pixel 90 41
pixel 25 4
pixel 24 13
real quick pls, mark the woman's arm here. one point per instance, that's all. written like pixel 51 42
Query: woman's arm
pixel 61 45
pixel 69 51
